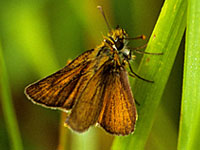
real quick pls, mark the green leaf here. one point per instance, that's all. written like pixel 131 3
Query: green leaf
pixel 8 108
pixel 189 134
pixel 165 38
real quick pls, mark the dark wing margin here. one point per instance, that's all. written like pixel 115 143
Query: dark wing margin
pixel 60 89
pixel 118 115
pixel 107 99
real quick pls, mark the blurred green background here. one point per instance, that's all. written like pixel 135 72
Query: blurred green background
pixel 38 37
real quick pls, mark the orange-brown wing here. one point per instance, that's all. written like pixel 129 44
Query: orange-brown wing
pixel 106 99
pixel 60 89
pixel 118 115
pixel 88 106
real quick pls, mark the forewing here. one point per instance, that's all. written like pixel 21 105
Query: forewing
pixel 88 107
pixel 60 89
pixel 118 115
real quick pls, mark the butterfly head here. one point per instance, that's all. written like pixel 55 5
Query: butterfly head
pixel 116 39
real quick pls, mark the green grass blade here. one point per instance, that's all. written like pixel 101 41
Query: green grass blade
pixel 85 141
pixel 166 38
pixel 189 134
pixel 8 108
pixel 64 137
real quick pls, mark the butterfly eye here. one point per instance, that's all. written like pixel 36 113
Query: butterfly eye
pixel 119 44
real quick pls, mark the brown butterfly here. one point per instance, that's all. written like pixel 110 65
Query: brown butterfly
pixel 94 86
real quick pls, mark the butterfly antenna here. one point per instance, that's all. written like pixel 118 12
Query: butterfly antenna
pixel 102 12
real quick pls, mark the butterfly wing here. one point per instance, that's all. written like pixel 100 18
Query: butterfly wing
pixel 107 99
pixel 88 106
pixel 118 115
pixel 61 89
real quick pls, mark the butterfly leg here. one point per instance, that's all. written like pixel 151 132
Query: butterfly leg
pixel 136 75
